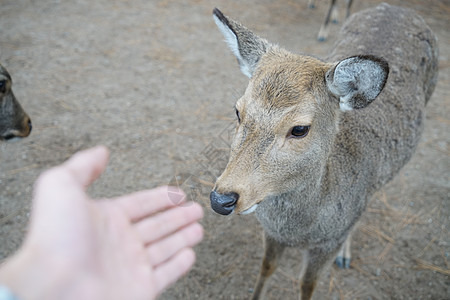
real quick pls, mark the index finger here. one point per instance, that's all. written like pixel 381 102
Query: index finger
pixel 144 203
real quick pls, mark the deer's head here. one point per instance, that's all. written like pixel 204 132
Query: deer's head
pixel 14 121
pixel 287 118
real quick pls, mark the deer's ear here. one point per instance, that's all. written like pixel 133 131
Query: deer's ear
pixel 356 81
pixel 245 45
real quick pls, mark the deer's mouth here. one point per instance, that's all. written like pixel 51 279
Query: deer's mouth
pixel 9 137
pixel 249 210
pixel 225 204
pixel 12 137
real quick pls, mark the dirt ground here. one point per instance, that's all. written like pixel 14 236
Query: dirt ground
pixel 154 81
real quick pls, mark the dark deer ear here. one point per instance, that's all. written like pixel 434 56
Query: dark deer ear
pixel 245 45
pixel 356 81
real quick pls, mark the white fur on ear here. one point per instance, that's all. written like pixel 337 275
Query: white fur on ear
pixel 233 44
pixel 357 81
pixel 344 106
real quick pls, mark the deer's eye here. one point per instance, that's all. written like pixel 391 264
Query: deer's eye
pixel 299 131
pixel 2 86
pixel 238 115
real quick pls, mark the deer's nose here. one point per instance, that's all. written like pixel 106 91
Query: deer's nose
pixel 223 204
pixel 30 126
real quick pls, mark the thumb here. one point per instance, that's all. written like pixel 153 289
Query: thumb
pixel 86 166
pixel 68 181
pixel 73 176
pixel 59 202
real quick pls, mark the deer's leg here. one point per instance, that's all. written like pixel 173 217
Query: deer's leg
pixel 344 256
pixel 315 261
pixel 272 252
pixel 349 5
pixel 335 14
pixel 323 33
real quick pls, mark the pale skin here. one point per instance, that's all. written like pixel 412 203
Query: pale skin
pixel 130 247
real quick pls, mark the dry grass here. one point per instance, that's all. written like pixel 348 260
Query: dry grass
pixel 423 265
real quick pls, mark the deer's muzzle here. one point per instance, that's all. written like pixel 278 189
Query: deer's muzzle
pixel 223 204
pixel 20 131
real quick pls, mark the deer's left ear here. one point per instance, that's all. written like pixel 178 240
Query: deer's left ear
pixel 245 45
pixel 356 81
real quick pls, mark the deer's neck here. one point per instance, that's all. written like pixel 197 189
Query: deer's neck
pixel 291 217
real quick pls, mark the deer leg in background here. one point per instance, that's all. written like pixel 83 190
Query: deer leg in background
pixel 323 33
pixel 349 5
pixel 344 256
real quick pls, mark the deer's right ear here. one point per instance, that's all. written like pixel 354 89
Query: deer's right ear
pixel 245 45
pixel 356 81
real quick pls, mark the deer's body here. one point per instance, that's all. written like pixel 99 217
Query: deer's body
pixel 14 121
pixel 307 168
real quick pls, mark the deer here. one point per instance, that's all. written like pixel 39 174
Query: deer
pixel 332 15
pixel 316 138
pixel 14 121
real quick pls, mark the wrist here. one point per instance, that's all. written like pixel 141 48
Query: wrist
pixel 6 294
pixel 30 277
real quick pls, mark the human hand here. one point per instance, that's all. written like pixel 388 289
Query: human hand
pixel 131 247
